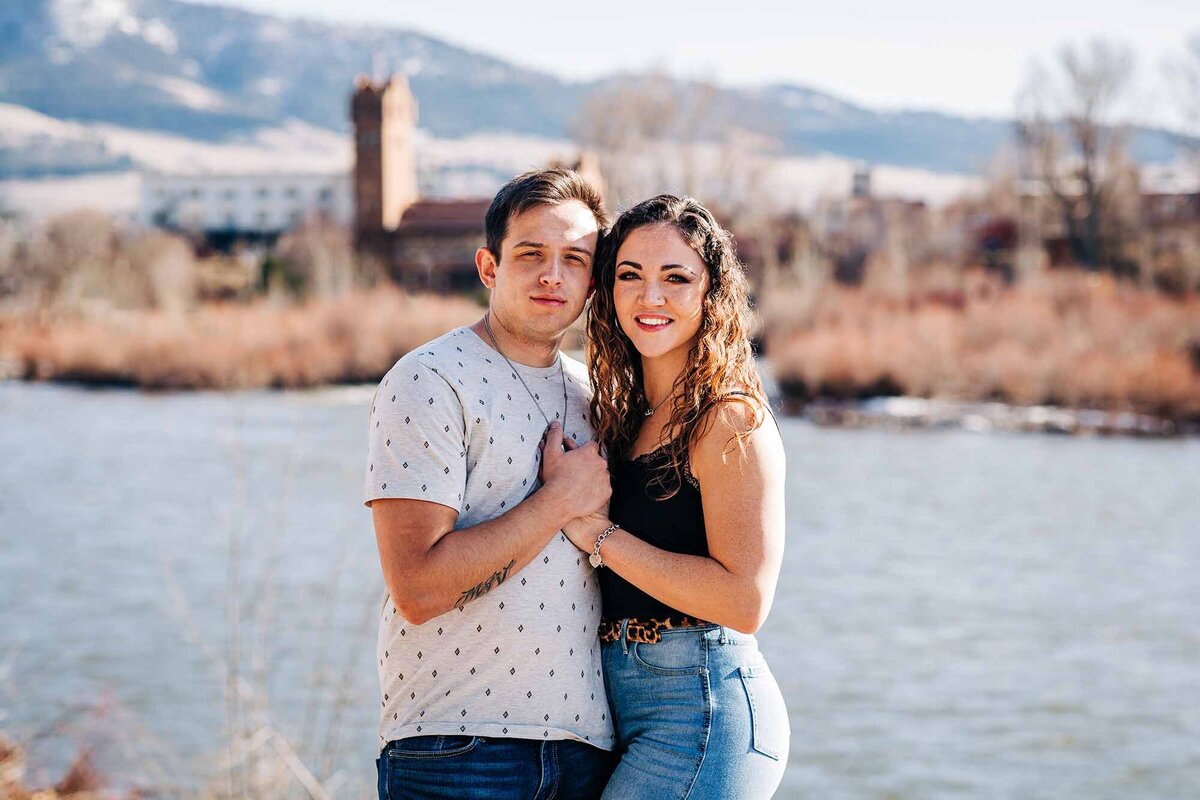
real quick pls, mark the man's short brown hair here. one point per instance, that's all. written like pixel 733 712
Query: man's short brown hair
pixel 536 188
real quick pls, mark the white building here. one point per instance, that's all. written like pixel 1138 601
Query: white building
pixel 243 204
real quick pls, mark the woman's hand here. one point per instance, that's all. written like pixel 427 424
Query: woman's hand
pixel 583 531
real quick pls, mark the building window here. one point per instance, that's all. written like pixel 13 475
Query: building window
pixel 263 191
pixel 292 192
pixel 229 194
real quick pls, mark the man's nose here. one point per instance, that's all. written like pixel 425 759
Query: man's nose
pixel 552 274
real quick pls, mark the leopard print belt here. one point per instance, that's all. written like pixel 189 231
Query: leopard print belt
pixel 645 631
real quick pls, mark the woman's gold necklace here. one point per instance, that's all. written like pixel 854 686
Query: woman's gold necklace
pixel 651 412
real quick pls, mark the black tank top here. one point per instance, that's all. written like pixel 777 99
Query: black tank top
pixel 675 524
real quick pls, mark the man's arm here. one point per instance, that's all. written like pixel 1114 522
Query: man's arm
pixel 430 568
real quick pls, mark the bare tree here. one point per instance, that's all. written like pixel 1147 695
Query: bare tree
pixel 1183 74
pixel 320 255
pixel 655 133
pixel 1073 142
pixel 71 258
pixel 166 268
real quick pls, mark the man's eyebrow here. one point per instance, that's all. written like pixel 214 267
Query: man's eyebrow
pixel 583 250
pixel 528 244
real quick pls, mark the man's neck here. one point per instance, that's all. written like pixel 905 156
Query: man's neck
pixel 517 348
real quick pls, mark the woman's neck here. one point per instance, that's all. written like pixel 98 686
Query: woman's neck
pixel 660 374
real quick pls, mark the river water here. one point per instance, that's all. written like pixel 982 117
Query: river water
pixel 960 615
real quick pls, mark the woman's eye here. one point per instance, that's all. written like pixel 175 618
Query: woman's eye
pixel 625 276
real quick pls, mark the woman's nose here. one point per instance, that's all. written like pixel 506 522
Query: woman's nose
pixel 652 294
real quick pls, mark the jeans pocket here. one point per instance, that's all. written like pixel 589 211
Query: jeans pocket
pixel 674 655
pixel 769 729
pixel 427 747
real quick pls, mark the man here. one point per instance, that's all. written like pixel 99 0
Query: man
pixel 489 663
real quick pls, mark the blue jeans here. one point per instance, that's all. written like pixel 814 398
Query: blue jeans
pixel 459 767
pixel 698 715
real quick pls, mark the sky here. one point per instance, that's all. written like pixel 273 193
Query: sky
pixel 966 58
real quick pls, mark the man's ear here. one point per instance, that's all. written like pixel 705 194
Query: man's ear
pixel 485 264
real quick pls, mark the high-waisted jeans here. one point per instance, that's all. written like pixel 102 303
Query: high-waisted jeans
pixel 698 715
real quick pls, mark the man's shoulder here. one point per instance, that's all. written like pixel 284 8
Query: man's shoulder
pixel 434 355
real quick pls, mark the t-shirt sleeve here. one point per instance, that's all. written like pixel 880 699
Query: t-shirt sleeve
pixel 416 447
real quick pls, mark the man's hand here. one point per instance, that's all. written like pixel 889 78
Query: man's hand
pixel 577 478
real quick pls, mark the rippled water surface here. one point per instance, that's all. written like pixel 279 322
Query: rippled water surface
pixel 959 615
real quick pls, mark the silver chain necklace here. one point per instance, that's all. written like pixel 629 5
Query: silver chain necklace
pixel 488 327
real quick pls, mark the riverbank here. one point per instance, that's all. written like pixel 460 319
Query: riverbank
pixel 354 338
pixel 1067 353
pixel 918 413
pixel 1063 340
pixel 81 781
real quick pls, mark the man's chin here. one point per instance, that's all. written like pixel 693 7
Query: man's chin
pixel 550 319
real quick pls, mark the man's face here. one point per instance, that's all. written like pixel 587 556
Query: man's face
pixel 544 274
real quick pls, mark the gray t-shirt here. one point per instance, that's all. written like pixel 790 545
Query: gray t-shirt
pixel 451 423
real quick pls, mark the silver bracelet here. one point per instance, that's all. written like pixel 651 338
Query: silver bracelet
pixel 594 559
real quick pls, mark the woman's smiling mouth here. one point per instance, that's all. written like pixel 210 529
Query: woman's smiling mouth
pixel 652 322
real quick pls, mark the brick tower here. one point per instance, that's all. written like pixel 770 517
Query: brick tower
pixel 385 165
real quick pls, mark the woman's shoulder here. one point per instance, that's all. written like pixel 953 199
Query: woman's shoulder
pixel 738 428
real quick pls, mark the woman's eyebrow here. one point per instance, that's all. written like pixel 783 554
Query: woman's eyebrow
pixel 628 263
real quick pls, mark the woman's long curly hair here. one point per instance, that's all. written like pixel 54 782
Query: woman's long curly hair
pixel 720 360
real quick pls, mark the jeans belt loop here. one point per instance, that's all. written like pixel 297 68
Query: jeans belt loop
pixel 721 640
pixel 625 637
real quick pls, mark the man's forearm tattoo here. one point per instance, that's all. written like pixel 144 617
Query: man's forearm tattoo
pixel 498 577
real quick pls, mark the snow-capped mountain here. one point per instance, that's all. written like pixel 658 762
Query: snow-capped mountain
pixel 216 74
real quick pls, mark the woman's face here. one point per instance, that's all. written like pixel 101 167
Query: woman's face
pixel 659 291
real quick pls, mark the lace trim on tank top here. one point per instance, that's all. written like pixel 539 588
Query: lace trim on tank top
pixel 646 458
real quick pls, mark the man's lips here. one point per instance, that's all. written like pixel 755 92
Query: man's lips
pixel 551 300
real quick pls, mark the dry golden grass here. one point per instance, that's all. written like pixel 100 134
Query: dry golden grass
pixel 353 338
pixel 1059 338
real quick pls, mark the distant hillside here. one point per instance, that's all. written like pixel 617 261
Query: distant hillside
pixel 214 73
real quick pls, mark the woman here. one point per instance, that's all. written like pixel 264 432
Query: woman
pixel 691 553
